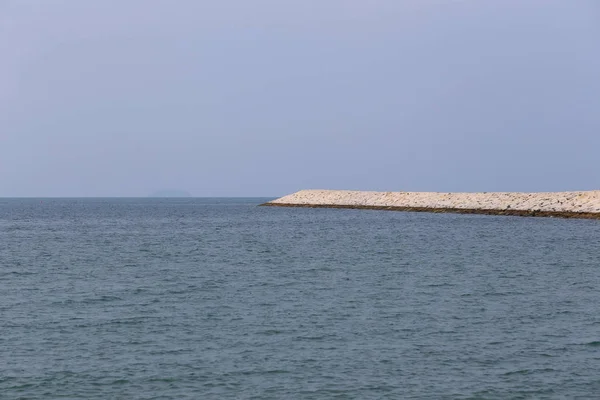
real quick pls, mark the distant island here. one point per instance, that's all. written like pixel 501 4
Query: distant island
pixel 549 204
pixel 171 193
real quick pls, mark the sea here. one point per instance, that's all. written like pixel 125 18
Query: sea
pixel 218 298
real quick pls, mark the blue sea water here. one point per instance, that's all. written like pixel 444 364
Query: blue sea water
pixel 221 299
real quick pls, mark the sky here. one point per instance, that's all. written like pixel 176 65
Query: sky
pixel 267 97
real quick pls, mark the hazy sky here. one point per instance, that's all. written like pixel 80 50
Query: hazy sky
pixel 266 97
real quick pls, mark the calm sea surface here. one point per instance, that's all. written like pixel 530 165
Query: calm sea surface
pixel 220 299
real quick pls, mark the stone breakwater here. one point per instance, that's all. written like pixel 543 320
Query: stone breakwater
pixel 549 204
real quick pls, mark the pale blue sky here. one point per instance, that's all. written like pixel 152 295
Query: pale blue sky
pixel 266 97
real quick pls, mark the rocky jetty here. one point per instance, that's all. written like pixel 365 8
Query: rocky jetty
pixel 544 204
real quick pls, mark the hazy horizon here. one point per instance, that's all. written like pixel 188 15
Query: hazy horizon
pixel 262 99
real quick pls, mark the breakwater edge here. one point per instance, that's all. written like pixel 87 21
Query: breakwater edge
pixel 581 204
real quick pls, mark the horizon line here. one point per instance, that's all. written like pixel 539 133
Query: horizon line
pixel 137 197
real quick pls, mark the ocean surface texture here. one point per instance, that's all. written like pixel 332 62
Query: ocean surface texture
pixel 221 299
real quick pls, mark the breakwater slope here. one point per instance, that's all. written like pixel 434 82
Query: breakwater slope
pixel 544 204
